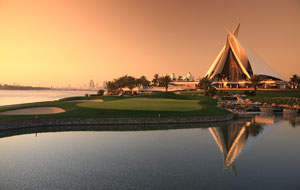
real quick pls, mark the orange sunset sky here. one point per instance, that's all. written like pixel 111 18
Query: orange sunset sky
pixel 62 42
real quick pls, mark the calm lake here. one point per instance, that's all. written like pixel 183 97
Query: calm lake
pixel 8 97
pixel 262 153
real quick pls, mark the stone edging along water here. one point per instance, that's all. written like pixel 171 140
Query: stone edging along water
pixel 110 121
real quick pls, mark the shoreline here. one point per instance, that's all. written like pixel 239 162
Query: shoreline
pixel 10 125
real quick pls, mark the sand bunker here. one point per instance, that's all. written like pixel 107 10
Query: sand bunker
pixel 94 100
pixel 34 111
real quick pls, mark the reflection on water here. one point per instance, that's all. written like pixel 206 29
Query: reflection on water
pixel 232 138
pixel 253 153
pixel 294 120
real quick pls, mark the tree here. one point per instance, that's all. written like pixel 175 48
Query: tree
pixel 211 91
pixel 143 82
pixel 294 80
pixel 111 87
pixel 255 81
pixel 164 82
pixel 124 81
pixel 155 80
pixel 205 83
pixel 130 83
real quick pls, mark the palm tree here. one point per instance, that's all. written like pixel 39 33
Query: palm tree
pixel 164 82
pixel 255 81
pixel 143 81
pixel 155 80
pixel 294 80
pixel 205 83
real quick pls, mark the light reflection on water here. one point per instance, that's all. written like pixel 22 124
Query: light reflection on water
pixel 244 154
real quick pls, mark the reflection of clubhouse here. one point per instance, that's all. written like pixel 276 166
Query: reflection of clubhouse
pixel 232 139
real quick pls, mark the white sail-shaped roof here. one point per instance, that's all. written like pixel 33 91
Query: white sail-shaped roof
pixel 220 55
pixel 257 64
pixel 243 56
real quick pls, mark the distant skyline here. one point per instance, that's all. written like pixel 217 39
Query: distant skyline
pixel 70 42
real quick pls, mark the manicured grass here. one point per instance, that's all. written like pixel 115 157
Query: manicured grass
pixel 170 95
pixel 145 104
pixel 192 92
pixel 163 104
pixel 291 97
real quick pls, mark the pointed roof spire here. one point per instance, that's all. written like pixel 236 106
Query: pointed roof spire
pixel 236 30
pixel 221 62
pixel 213 66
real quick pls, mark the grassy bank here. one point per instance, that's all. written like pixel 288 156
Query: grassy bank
pixel 277 97
pixel 163 104
pixel 289 97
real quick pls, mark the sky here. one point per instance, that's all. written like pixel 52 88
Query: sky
pixel 70 42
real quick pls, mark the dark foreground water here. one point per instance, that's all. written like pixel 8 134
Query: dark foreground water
pixel 261 154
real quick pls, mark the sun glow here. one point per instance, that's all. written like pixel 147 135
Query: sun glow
pixel 59 43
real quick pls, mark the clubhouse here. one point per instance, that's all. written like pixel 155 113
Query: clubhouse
pixel 236 63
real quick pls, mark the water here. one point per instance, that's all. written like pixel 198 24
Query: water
pixel 8 97
pixel 260 154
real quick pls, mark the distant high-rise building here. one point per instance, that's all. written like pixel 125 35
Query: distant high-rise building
pixel 173 77
pixel 92 84
pixel 190 77
pixel 104 84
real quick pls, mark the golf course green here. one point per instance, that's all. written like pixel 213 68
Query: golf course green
pixel 165 105
pixel 146 104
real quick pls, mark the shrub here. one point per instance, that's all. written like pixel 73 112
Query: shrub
pixel 222 92
pixel 100 92
pixel 211 91
pixel 250 93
